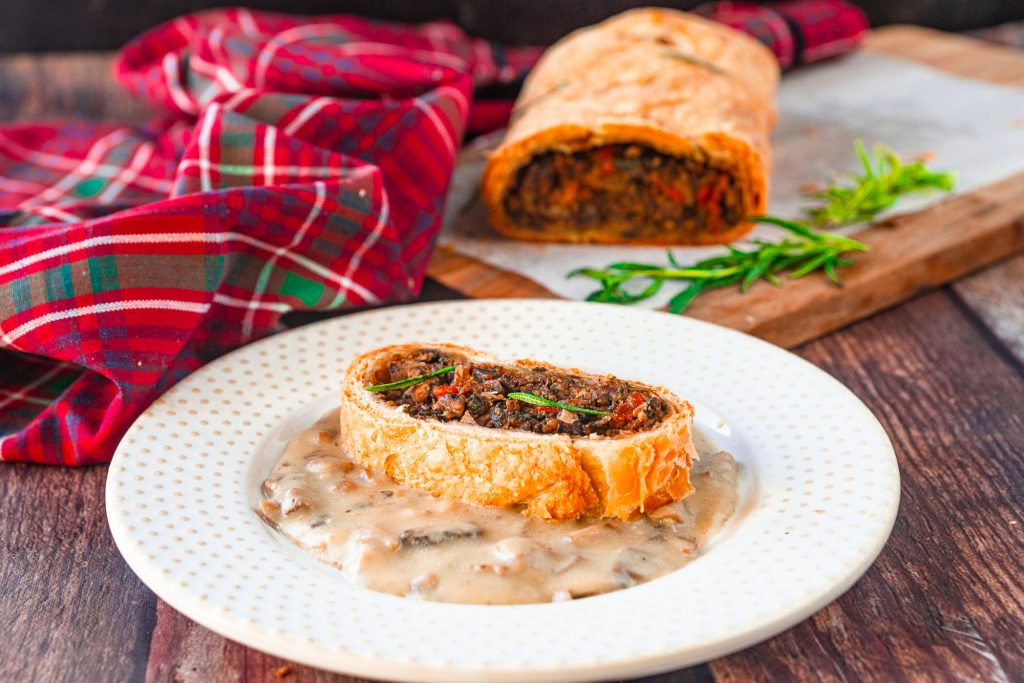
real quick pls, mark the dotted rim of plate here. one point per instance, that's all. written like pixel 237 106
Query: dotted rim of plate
pixel 820 496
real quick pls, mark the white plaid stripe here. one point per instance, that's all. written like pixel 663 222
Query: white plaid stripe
pixel 435 35
pixel 268 266
pixel 309 110
pixel 59 163
pixel 84 170
pixel 65 249
pixel 483 58
pixel 182 26
pixel 55 213
pixel 34 400
pixel 12 185
pixel 235 302
pixel 269 140
pixel 221 78
pixel 449 141
pixel 224 74
pixel 326 273
pixel 205 128
pixel 236 100
pixel 212 89
pixel 340 281
pixel 247 22
pixel 321 172
pixel 160 304
pixel 172 75
pixel 374 235
pixel 458 96
pixel 23 393
pixel 281 39
pixel 128 175
pixel 298 33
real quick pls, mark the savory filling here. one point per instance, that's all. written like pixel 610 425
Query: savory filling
pixel 478 393
pixel 648 192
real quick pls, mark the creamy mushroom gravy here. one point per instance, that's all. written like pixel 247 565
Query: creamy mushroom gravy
pixel 395 539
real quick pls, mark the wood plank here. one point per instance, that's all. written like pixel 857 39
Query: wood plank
pixel 466 274
pixel 952 53
pixel 182 651
pixel 910 254
pixel 944 601
pixel 70 608
pixel 996 296
pixel 80 84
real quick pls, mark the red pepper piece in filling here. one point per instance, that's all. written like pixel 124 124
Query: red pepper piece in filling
pixel 671 192
pixel 711 197
pixel 605 164
pixel 443 389
pixel 623 412
pixel 546 409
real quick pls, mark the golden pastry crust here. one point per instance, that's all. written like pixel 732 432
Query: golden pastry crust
pixel 553 476
pixel 674 82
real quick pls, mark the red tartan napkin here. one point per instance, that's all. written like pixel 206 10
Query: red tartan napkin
pixel 303 165
pixel 798 32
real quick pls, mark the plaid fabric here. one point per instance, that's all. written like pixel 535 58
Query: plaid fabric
pixel 798 32
pixel 303 164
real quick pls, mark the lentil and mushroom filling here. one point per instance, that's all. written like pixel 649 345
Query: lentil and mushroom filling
pixel 477 393
pixel 648 192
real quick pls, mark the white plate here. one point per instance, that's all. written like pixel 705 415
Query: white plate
pixel 819 495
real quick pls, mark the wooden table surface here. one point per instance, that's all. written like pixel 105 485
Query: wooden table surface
pixel 945 601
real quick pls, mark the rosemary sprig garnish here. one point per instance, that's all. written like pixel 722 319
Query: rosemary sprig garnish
pixel 534 399
pixel 803 250
pixel 410 381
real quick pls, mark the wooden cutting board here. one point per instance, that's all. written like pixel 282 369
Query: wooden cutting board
pixel 909 254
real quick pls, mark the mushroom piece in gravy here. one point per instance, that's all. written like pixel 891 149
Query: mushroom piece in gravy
pixel 394 539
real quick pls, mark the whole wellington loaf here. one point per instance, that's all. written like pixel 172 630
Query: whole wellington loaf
pixel 464 434
pixel 651 128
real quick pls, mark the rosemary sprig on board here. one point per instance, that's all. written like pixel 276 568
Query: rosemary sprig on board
pixel 803 250
pixel 886 178
pixel 534 399
pixel 410 381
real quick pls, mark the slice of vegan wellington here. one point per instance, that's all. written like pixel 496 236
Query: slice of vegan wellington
pixel 559 443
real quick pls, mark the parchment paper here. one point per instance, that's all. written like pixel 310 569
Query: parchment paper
pixel 973 127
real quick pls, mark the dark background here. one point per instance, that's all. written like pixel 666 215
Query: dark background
pixel 48 25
